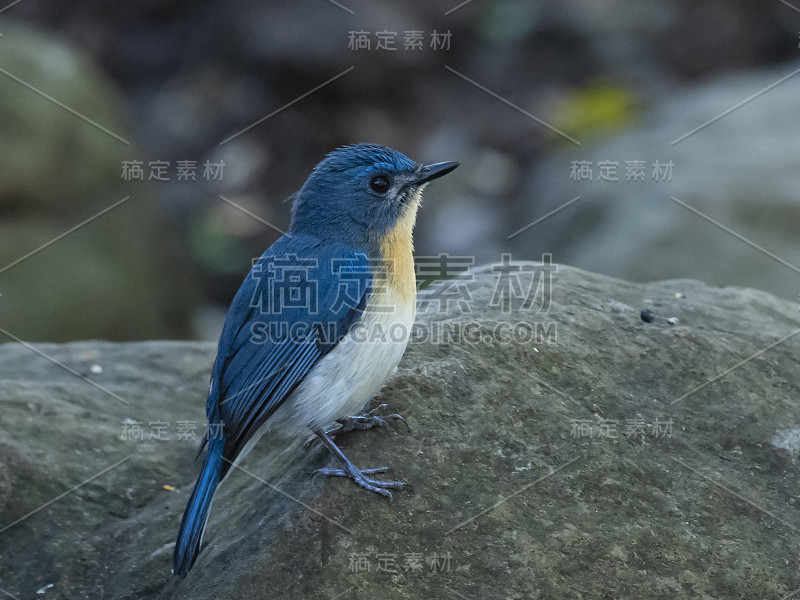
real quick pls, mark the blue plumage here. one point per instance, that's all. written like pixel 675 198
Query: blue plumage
pixel 286 344
pixel 194 518
pixel 264 351
pixel 257 367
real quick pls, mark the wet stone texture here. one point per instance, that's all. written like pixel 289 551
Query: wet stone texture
pixel 615 459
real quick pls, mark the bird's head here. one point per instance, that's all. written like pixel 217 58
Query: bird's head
pixel 359 194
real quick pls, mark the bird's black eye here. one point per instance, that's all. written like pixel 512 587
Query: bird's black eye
pixel 380 184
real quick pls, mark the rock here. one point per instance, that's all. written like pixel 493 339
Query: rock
pixel 636 231
pixel 106 279
pixel 686 488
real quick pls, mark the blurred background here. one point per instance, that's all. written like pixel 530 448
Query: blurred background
pixel 150 147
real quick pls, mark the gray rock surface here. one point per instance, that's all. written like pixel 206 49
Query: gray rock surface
pixel 698 501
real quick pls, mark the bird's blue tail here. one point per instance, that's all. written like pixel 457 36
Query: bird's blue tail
pixel 194 519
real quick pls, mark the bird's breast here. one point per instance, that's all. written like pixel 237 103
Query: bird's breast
pixel 358 366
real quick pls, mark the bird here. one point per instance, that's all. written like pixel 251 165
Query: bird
pixel 319 323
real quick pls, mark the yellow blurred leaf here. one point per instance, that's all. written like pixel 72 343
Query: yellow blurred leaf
pixel 594 108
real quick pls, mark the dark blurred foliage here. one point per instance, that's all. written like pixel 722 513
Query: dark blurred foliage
pixel 191 74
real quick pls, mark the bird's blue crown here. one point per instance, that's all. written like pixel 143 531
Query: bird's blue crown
pixel 341 201
pixel 370 156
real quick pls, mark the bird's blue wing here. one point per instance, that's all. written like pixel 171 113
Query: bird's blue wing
pixel 300 298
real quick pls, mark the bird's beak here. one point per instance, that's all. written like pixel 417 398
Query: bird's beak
pixel 434 171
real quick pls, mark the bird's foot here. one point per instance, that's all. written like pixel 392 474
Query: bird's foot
pixel 359 476
pixel 367 421
pixel 368 483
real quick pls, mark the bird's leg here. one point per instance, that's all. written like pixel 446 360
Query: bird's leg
pixel 356 474
pixel 367 421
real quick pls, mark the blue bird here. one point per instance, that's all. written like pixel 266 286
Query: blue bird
pixel 320 322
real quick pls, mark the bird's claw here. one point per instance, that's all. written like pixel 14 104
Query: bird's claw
pixel 367 421
pixel 368 483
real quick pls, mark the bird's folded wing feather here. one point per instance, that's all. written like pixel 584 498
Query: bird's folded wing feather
pixel 297 302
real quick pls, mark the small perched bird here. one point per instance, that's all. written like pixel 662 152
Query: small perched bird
pixel 320 322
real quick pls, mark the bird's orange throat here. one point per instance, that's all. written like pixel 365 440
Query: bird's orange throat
pixel 397 252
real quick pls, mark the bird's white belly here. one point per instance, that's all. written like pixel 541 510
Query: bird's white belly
pixel 344 380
